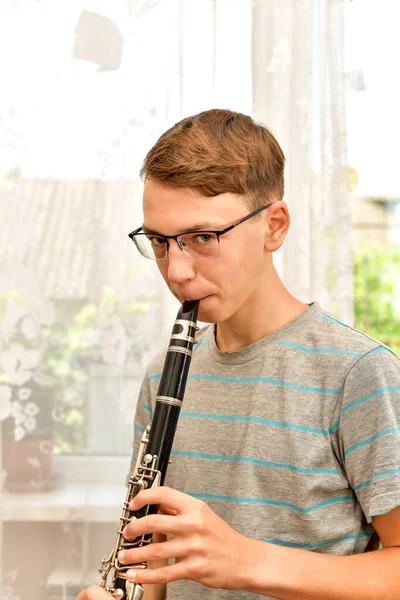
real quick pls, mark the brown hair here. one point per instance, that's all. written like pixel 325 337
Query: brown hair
pixel 219 151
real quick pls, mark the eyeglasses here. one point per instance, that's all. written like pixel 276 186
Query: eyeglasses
pixel 195 244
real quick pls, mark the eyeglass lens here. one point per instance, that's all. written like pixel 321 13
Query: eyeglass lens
pixel 194 245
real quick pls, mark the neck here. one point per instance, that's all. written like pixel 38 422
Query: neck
pixel 269 308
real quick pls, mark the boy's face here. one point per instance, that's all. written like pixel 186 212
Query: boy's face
pixel 226 283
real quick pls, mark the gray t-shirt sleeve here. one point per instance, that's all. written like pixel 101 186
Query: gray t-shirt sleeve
pixel 369 431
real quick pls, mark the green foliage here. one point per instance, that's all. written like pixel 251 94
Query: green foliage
pixel 43 391
pixel 66 348
pixel 377 293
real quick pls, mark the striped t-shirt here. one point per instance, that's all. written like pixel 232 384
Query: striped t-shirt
pixel 294 440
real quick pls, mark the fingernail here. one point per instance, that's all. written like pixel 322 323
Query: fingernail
pixel 121 556
pixel 131 504
pixel 131 574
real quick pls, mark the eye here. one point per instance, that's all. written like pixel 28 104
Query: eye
pixel 156 241
pixel 203 238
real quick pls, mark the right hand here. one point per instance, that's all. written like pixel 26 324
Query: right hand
pixel 94 592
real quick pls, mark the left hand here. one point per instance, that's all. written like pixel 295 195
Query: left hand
pixel 205 547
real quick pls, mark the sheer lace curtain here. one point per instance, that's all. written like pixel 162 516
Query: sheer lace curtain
pixel 299 91
pixel 87 87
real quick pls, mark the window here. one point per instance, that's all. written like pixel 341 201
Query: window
pixel 373 124
pixel 81 312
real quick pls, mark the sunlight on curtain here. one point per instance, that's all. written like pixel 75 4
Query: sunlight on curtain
pixel 299 92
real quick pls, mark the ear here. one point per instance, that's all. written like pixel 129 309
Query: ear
pixel 278 222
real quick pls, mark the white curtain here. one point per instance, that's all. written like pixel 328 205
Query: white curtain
pixel 299 92
pixel 87 87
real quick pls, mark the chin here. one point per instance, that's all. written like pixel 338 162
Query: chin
pixel 206 313
pixel 205 317
pixel 210 311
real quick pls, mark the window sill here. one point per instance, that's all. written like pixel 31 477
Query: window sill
pixel 89 489
pixel 100 503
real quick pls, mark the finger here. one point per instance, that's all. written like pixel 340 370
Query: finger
pixel 165 496
pixel 165 524
pixel 164 510
pixel 161 575
pixel 94 592
pixel 153 552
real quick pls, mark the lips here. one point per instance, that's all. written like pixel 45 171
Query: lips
pixel 191 298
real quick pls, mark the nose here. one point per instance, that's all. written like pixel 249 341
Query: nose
pixel 180 266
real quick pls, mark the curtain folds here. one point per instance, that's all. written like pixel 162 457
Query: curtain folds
pixel 298 87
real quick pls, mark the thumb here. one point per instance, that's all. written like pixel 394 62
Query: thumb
pixel 94 592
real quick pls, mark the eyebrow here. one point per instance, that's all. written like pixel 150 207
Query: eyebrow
pixel 205 226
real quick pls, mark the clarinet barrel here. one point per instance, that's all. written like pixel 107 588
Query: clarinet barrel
pixel 154 453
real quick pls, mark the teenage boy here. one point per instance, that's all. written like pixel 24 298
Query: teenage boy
pixel 285 471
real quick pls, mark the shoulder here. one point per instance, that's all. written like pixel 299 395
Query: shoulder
pixel 327 329
pixel 368 368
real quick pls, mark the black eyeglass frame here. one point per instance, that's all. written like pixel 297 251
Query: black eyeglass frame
pixel 138 231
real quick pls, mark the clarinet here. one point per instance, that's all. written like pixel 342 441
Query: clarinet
pixel 154 453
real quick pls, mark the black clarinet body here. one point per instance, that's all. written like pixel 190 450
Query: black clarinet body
pixel 155 449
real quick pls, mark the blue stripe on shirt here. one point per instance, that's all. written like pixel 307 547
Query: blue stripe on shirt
pixel 382 348
pixel 264 380
pixel 254 461
pixel 365 398
pixel 199 344
pixel 376 475
pixel 256 379
pixel 271 502
pixel 321 544
pixel 330 320
pixel 330 315
pixel 372 439
pixel 256 420
pixel 253 419
pixel 319 350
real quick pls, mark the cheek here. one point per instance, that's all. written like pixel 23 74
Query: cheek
pixel 232 279
pixel 244 263
pixel 243 271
